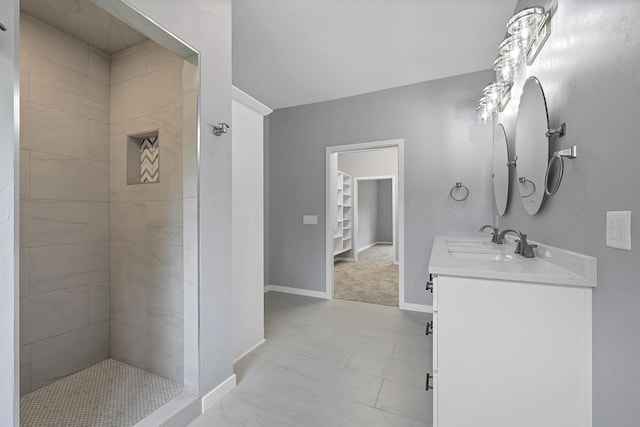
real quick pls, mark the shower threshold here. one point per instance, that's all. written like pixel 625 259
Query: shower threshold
pixel 107 394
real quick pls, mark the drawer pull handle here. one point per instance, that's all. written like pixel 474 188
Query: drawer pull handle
pixel 2 27
pixel 429 330
pixel 429 286
pixel 428 386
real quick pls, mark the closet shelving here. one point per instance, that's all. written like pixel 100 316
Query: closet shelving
pixel 344 213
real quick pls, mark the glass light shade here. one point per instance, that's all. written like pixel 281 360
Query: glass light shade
pixel 526 22
pixel 493 93
pixel 483 114
pixel 513 47
pixel 490 104
pixel 505 69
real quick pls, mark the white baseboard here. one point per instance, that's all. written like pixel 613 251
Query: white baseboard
pixel 373 244
pixel 416 307
pixel 215 395
pixel 250 350
pixel 295 291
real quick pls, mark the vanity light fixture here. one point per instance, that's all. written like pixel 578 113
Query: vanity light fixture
pixel 532 25
pixel 528 30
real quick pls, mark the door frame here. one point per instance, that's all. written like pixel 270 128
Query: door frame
pixel 394 214
pixel 329 211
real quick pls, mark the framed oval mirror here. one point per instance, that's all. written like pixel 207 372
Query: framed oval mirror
pixel 532 145
pixel 500 169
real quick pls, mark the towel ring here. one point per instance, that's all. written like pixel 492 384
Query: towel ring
pixel 523 180
pixel 457 187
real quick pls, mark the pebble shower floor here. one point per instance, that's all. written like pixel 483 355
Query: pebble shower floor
pixel 107 394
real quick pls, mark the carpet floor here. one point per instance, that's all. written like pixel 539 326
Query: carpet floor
pixel 373 279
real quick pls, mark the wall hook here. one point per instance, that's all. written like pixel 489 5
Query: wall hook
pixel 561 131
pixel 220 128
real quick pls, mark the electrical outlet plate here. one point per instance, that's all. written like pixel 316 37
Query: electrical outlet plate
pixel 619 229
pixel 310 219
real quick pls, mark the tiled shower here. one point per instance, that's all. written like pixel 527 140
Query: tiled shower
pixel 107 164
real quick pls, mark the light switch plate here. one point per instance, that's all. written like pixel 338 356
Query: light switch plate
pixel 310 219
pixel 619 229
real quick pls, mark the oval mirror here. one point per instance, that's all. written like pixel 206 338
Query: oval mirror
pixel 500 169
pixel 532 145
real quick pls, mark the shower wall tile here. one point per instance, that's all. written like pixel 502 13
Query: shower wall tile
pixel 54 358
pixel 99 302
pixel 65 178
pixel 164 222
pixel 25 369
pixel 99 65
pixel 53 222
pixel 54 313
pixel 25 272
pixel 98 142
pixel 129 63
pixel 190 75
pixel 98 221
pixel 146 253
pixel 48 130
pixel 25 87
pixel 25 173
pixel 159 57
pixel 67 266
pixel 152 309
pixel 64 207
pixel 146 264
pixel 146 350
pixel 127 222
pixel 65 90
pixel 25 59
pixel 53 45
pixel 150 93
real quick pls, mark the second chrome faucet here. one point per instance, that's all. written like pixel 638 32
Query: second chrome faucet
pixel 523 247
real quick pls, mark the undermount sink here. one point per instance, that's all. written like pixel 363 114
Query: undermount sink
pixel 492 256
pixel 468 242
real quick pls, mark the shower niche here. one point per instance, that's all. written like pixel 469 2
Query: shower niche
pixel 143 158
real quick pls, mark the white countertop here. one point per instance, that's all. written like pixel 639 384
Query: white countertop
pixel 478 257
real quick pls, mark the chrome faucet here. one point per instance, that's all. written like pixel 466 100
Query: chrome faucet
pixel 522 246
pixel 495 233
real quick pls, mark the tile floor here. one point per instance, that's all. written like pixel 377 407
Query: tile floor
pixel 331 363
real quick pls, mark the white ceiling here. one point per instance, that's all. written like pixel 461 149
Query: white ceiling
pixel 86 21
pixel 294 52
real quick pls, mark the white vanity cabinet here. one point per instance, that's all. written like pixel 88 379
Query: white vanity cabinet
pixel 510 353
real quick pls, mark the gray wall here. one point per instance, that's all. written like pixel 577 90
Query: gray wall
pixel 443 144
pixel 590 71
pixel 367 213
pixel 9 209
pixel 384 229
pixel 64 204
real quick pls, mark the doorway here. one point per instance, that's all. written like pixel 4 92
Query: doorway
pixel 365 194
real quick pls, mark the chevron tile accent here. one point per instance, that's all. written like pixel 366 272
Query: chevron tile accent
pixel 149 160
